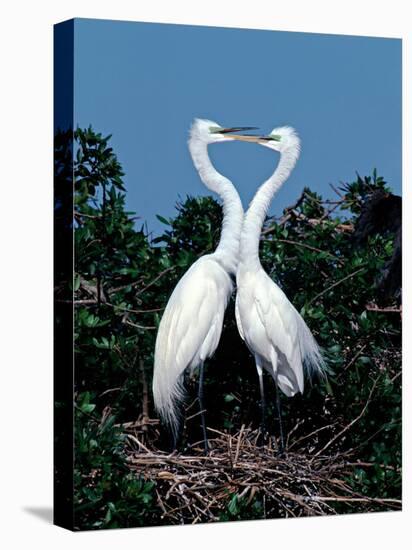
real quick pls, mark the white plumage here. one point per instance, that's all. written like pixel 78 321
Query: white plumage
pixel 189 331
pixel 274 331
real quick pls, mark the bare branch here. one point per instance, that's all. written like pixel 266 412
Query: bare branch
pixel 336 283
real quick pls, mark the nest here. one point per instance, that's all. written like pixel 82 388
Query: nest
pixel 240 479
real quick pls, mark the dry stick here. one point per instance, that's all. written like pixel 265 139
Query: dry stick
pixel 229 449
pixel 138 423
pixel 352 360
pixel 329 212
pixel 384 309
pixel 373 464
pixel 127 322
pixel 91 301
pixel 134 438
pixel 155 279
pixel 109 391
pixel 336 284
pixel 336 191
pixel 349 452
pixel 78 302
pixel 346 428
pixel 311 434
pixel 293 430
pixel 122 287
pixel 309 247
pixel 145 394
pixel 358 499
pixel 392 380
pixel 160 501
pixel 238 444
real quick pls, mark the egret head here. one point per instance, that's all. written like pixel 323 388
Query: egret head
pixel 281 139
pixel 209 131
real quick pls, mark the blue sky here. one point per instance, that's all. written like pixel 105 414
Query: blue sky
pixel 144 83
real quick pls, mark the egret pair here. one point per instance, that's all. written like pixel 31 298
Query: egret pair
pixel 191 326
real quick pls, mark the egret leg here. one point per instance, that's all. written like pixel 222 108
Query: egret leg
pixel 278 406
pixel 202 410
pixel 177 435
pixel 262 402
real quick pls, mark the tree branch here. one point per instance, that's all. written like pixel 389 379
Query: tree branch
pixel 346 428
pixel 336 284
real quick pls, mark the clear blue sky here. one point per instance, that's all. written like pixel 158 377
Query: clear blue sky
pixel 145 82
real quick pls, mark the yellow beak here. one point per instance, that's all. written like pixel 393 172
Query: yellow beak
pixel 250 139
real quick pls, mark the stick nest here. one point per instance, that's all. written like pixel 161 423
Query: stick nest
pixel 240 479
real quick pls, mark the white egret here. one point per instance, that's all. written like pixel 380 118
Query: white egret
pixel 191 325
pixel 274 331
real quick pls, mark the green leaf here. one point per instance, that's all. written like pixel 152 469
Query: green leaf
pixel 76 282
pixel 88 408
pixel 162 219
pixel 233 505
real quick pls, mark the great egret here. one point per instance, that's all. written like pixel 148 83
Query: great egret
pixel 190 329
pixel 274 331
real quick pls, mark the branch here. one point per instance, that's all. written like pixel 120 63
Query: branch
pixel 309 247
pixel 336 284
pixel 346 428
pixel 346 367
pixel 342 227
pixel 156 279
pixel 117 289
pixel 127 322
pixel 145 393
pixel 90 302
pixel 371 307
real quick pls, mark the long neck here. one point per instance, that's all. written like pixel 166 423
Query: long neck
pixel 257 211
pixel 227 251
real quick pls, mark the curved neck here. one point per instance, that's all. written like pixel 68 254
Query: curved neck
pixel 227 251
pixel 257 211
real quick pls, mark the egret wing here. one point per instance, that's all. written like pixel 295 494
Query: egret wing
pixel 281 323
pixel 189 331
pixel 238 320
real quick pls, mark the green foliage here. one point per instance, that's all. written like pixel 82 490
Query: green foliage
pixel 357 193
pixel 107 494
pixel 239 508
pixel 122 283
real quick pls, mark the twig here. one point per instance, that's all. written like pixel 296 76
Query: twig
pixel 357 499
pixel 154 281
pixel 371 307
pixel 142 327
pixel 145 393
pixel 239 439
pixel 336 284
pixel 313 248
pixel 134 438
pixel 346 367
pixel 346 428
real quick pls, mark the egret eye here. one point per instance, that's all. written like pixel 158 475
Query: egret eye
pixel 215 129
